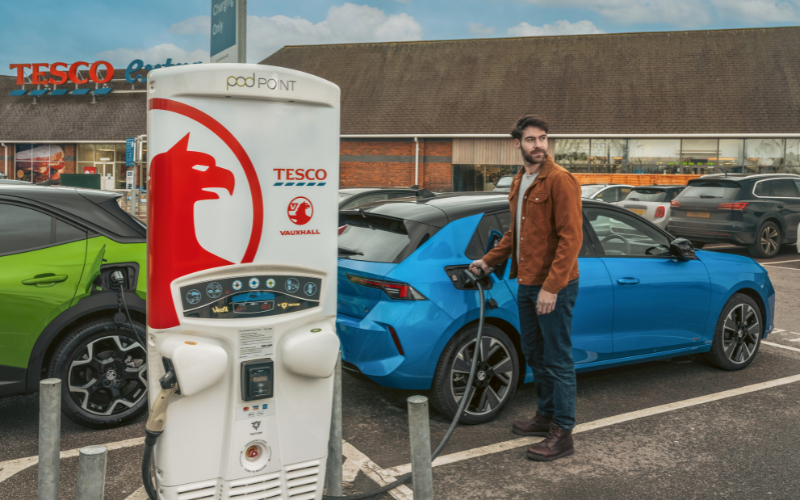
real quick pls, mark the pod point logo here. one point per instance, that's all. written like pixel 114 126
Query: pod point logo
pixel 252 81
pixel 300 210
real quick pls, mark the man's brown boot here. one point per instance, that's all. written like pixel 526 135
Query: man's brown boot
pixel 539 425
pixel 557 445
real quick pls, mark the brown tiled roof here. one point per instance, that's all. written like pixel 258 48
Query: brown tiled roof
pixel 724 81
pixel 72 118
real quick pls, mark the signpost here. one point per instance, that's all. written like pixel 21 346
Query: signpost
pixel 130 148
pixel 228 31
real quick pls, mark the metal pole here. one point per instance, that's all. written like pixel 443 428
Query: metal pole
pixel 241 31
pixel 92 472
pixel 333 477
pixel 49 437
pixel 419 431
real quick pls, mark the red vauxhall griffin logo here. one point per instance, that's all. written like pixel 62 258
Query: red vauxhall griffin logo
pixel 300 210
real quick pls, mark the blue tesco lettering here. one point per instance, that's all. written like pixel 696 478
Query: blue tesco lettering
pixel 138 64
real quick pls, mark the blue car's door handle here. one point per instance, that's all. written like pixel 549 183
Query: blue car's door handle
pixel 628 281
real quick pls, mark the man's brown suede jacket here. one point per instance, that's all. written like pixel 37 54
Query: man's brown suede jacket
pixel 551 230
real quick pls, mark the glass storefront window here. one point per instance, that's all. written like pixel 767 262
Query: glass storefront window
pixel 764 152
pixel 698 156
pixel 104 152
pixel 570 152
pixel 792 154
pixel 731 155
pixel 480 177
pixel 654 156
pixel 85 152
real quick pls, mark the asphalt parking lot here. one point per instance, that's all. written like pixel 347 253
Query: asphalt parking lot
pixel 668 429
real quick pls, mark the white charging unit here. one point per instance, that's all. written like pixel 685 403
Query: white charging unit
pixel 243 177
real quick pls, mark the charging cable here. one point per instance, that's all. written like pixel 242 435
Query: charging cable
pixel 118 281
pixel 154 427
pixel 468 278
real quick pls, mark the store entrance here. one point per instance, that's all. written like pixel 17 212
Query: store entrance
pixel 108 176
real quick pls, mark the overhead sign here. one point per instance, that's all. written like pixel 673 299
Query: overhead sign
pixel 130 148
pixel 60 73
pixel 228 28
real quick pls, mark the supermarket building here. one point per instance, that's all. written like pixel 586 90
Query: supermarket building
pixel 635 108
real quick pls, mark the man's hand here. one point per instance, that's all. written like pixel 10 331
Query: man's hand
pixel 477 265
pixel 546 302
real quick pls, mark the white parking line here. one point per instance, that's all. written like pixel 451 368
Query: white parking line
pixel 773 344
pixel 11 467
pixel 779 267
pixel 779 262
pixel 605 422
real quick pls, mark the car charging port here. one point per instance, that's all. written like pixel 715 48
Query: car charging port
pixel 463 279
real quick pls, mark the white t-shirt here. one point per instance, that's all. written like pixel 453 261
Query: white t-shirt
pixel 524 184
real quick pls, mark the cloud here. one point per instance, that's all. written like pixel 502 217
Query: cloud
pixel 348 23
pixel 757 11
pixel 193 26
pixel 557 28
pixel 154 55
pixel 675 12
pixel 479 29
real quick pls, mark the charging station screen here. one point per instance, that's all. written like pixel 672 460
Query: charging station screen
pixel 250 296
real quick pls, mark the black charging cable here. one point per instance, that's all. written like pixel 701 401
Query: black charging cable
pixel 118 281
pixel 469 280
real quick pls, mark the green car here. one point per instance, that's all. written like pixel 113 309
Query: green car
pixel 73 282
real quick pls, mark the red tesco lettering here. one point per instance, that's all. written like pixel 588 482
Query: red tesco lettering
pixel 58 76
pixel 301 174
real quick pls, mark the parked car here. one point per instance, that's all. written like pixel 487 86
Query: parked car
pixel 609 193
pixel 58 249
pixel 652 202
pixel 355 197
pixel 406 322
pixel 503 185
pixel 11 182
pixel 761 212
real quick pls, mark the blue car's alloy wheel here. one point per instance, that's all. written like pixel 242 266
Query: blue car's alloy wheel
pixel 495 379
pixel 738 334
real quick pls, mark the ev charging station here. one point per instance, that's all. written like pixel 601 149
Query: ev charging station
pixel 242 229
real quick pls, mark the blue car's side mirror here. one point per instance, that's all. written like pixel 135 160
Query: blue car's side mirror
pixel 683 249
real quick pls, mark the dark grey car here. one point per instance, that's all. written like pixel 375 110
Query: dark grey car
pixel 761 212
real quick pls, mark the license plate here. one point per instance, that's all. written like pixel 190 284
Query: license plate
pixel 638 211
pixel 704 215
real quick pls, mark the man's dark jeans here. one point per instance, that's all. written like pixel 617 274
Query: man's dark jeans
pixel 547 347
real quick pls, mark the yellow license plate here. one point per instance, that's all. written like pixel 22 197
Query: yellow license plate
pixel 638 211
pixel 704 215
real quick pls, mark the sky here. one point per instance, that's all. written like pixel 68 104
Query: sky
pixel 47 31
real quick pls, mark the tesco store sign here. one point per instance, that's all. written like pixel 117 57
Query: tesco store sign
pixel 59 73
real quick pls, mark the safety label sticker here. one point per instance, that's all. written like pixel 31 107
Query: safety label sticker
pixel 245 411
pixel 256 343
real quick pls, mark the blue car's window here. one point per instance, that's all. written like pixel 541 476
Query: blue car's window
pixel 379 239
pixel 476 248
pixel 621 235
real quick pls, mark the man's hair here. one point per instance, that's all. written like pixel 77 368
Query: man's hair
pixel 529 121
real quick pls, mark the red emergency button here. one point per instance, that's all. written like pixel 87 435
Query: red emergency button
pixel 253 452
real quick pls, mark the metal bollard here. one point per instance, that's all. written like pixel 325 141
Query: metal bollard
pixel 333 477
pixel 419 431
pixel 92 472
pixel 49 438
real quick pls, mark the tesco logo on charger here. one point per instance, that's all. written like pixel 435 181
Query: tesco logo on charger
pixel 301 174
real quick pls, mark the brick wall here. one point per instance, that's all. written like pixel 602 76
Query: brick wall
pixel 390 162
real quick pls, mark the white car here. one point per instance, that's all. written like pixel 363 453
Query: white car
pixel 609 193
pixel 652 202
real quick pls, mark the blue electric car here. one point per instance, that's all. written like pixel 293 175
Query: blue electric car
pixel 405 320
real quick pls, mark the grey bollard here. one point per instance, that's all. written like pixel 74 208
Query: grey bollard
pixel 333 473
pixel 49 438
pixel 92 473
pixel 419 431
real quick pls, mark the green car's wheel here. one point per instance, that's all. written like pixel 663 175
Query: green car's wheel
pixel 103 369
